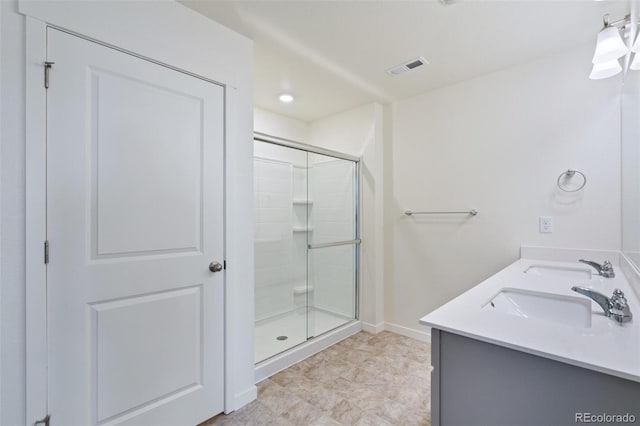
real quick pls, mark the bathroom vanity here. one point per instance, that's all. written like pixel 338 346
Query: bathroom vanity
pixel 522 348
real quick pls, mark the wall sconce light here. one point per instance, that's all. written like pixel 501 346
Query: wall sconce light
pixel 610 45
pixel 609 48
pixel 605 69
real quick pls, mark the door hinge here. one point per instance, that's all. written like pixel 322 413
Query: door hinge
pixel 44 421
pixel 47 69
pixel 224 264
pixel 46 252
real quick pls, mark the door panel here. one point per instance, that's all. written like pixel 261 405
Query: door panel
pixel 332 273
pixel 331 186
pixel 135 202
pixel 146 170
pixel 127 374
pixel 332 269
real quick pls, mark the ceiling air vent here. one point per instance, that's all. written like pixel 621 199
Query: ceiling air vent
pixel 407 66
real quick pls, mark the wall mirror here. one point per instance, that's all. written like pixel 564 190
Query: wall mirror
pixel 630 103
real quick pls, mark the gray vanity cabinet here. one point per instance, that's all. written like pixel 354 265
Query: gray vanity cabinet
pixel 476 383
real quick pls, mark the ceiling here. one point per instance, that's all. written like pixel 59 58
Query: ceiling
pixel 333 55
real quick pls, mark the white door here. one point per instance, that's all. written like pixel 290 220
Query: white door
pixel 134 218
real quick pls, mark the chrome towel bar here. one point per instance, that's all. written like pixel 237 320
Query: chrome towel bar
pixel 472 212
pixel 340 243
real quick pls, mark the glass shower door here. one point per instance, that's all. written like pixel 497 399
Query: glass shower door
pixel 306 251
pixel 281 227
pixel 332 256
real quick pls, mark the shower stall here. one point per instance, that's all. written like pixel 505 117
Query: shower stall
pixel 306 244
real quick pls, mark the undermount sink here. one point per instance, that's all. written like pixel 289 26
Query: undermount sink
pixel 547 307
pixel 564 272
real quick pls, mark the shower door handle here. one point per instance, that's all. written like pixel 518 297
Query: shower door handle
pixel 339 243
pixel 215 267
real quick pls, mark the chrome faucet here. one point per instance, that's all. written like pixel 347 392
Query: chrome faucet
pixel 605 270
pixel 615 307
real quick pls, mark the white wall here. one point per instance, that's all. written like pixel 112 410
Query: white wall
pixel 278 125
pixel 185 36
pixel 498 143
pixel 349 132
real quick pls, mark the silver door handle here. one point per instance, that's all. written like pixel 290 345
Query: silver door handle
pixel 215 267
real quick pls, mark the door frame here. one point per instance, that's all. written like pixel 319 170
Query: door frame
pixel 238 391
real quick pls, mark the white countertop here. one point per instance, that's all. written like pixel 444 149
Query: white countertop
pixel 606 346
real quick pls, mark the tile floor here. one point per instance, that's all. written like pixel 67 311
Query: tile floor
pixel 367 379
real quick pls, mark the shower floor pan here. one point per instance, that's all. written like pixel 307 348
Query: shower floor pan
pixel 282 332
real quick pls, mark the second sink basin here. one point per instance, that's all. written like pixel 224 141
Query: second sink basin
pixel 537 306
pixel 563 272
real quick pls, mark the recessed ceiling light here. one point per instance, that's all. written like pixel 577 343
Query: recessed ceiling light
pixel 286 98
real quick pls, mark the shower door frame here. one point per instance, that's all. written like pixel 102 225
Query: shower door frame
pixel 263 137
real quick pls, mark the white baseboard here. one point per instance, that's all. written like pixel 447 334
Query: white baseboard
pixel 371 328
pixel 243 398
pixel 285 360
pixel 423 336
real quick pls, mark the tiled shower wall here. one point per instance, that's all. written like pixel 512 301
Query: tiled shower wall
pixel 274 275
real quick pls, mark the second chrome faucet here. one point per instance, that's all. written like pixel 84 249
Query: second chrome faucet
pixel 614 307
pixel 604 270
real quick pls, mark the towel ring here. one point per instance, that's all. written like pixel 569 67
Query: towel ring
pixel 568 175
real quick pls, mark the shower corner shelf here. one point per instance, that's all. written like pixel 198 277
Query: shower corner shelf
pixel 302 201
pixel 302 229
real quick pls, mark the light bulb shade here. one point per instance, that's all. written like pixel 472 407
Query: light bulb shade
pixel 610 46
pixel 605 69
pixel 635 64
